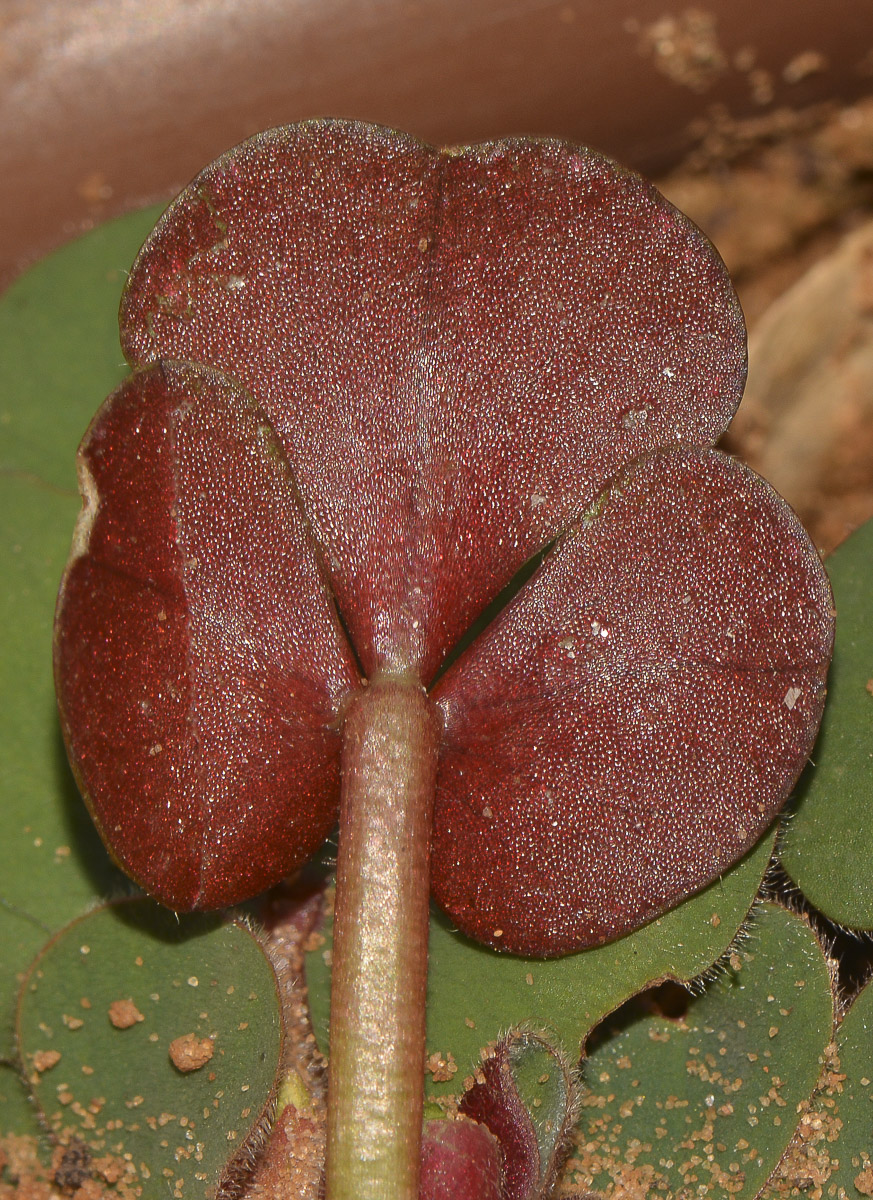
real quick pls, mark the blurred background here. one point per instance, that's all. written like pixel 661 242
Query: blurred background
pixel 755 118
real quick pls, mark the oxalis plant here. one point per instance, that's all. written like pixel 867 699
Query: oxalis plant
pixel 408 519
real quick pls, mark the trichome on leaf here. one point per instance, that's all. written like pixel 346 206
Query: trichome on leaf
pixel 371 380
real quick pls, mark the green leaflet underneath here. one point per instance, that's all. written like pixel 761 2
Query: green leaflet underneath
pixel 113 1086
pixel 835 1137
pixel 59 348
pixel 828 844
pixel 52 862
pixel 707 1105
pixel 60 356
pixel 854 1098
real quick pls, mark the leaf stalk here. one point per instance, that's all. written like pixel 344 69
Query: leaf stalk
pixel 377 1035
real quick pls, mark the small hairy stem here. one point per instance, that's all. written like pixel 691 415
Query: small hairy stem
pixel 375 1088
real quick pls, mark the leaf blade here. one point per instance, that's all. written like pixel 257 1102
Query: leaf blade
pixel 828 842
pixel 724 1084
pixel 467 341
pixel 639 713
pixel 199 661
pixel 125 982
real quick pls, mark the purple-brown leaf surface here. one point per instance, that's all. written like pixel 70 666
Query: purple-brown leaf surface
pixel 640 704
pixel 457 349
pixel 372 380
pixel 460 1160
pixel 202 664
pixel 531 1132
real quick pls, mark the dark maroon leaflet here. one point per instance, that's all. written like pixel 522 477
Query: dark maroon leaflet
pixel 199 662
pixel 631 724
pixel 458 349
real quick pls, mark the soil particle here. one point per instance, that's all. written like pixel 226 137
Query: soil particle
pixel 190 1053
pixel 442 1067
pixel 864 1182
pixel 26 1177
pixel 685 48
pixel 124 1013
pixel 44 1060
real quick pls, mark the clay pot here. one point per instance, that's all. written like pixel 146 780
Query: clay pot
pixel 106 105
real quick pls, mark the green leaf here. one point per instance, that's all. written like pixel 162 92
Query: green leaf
pixel 854 1095
pixel 59 348
pixel 834 1147
pixel 546 1091
pixel 18 1114
pixel 52 862
pixel 828 843
pixel 59 353
pixel 100 1012
pixel 474 994
pixel 707 1105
